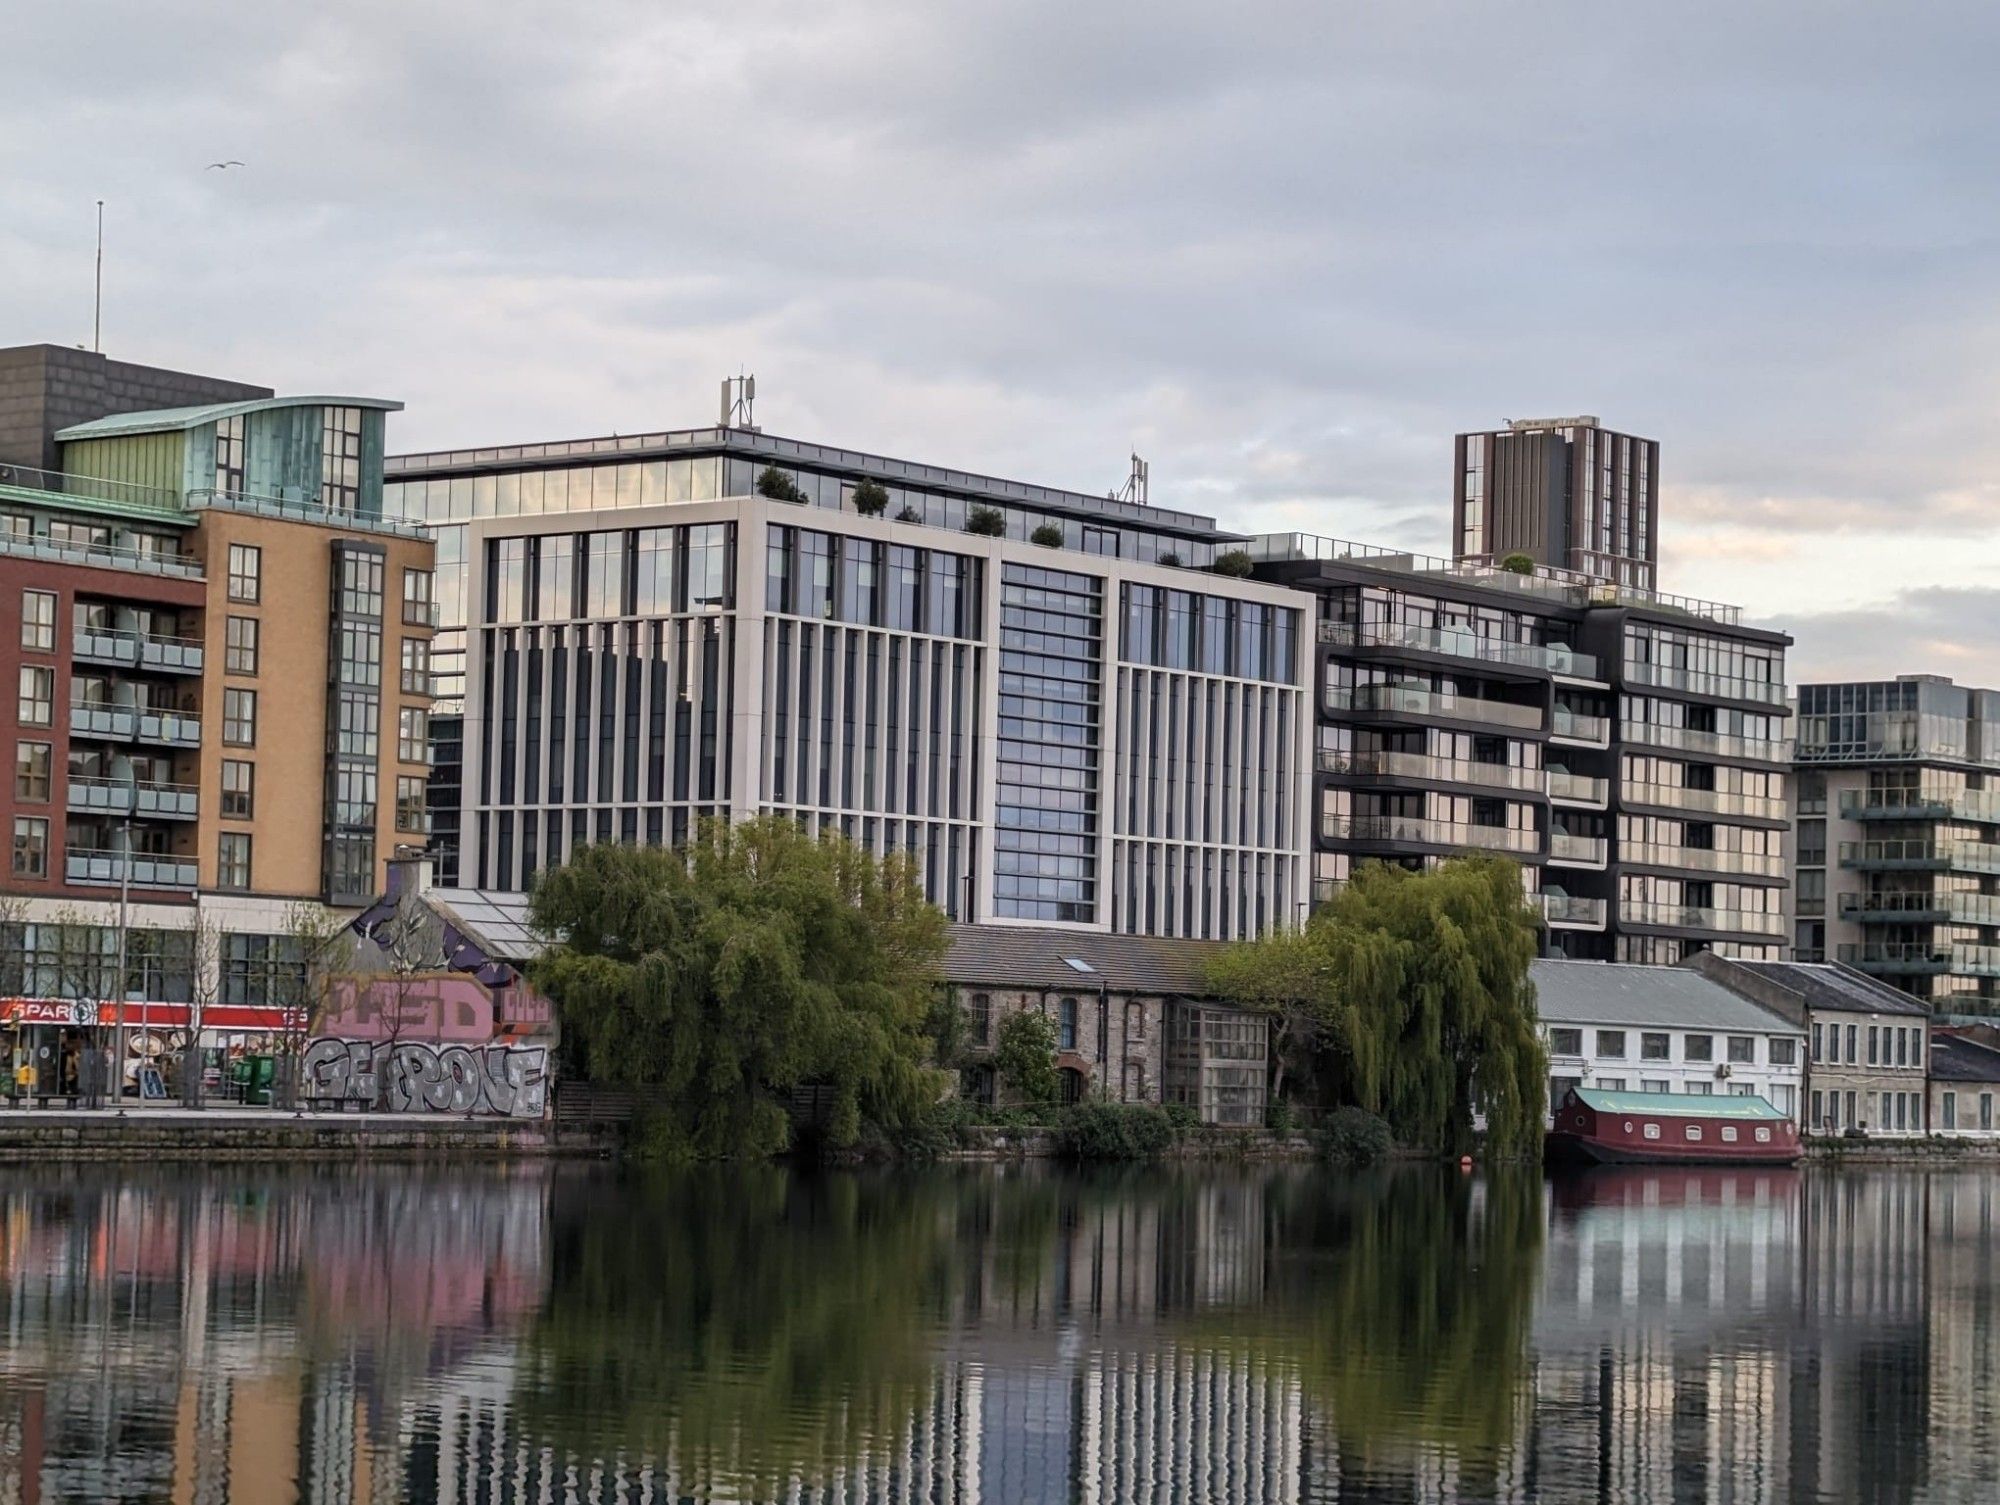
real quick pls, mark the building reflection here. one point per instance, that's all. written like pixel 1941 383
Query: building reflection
pixel 959 1339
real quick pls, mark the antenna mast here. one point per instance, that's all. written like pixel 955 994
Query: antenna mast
pixel 739 398
pixel 1136 483
pixel 97 311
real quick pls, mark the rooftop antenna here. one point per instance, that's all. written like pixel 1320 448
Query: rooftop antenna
pixel 739 397
pixel 97 311
pixel 1135 484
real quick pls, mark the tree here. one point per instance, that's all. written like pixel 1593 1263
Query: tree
pixel 1286 975
pixel 204 950
pixel 1424 1009
pixel 908 514
pixel 753 961
pixel 1518 564
pixel 1171 559
pixel 778 486
pixel 318 946
pixel 871 498
pixel 987 522
pixel 1048 535
pixel 1235 562
pixel 1025 1056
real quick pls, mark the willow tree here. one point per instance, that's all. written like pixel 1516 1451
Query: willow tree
pixel 1413 991
pixel 755 960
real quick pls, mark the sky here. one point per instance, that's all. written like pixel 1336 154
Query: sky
pixel 1283 251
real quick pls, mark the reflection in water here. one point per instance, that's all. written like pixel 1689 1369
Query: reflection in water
pixel 248 1335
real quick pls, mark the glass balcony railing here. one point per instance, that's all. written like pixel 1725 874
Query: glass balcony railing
pixel 1581 851
pixel 1715 744
pixel 1704 859
pixel 1440 770
pixel 1580 726
pixel 1921 906
pixel 1572 909
pixel 1458 643
pixel 86 865
pixel 1953 856
pixel 128 649
pixel 1416 829
pixel 1413 700
pixel 1700 682
pixel 1707 801
pixel 1924 957
pixel 1695 917
pixel 171 728
pixel 1981 805
pixel 90 795
pixel 103 718
pixel 1578 788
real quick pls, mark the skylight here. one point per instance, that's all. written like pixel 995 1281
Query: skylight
pixel 1075 965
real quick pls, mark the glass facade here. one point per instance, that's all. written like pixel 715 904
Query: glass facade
pixel 354 712
pixel 1045 824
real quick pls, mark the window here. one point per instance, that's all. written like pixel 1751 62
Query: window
pixel 1611 1044
pixel 416 666
pixel 239 718
pixel 1874 1056
pixel 1817 1055
pixel 232 860
pixel 340 458
pixel 1693 1132
pixel 1902 1047
pixel 1655 1047
pixel 1611 1084
pixel 246 573
pixel 31 847
pixel 38 695
pixel 360 583
pixel 239 655
pixel 982 1019
pixel 413 735
pixel 417 611
pixel 1949 1104
pixel 239 789
pixel 1565 1042
pixel 1853 1039
pixel 38 621
pixel 1656 1084
pixel 1699 1048
pixel 1743 1049
pixel 229 454
pixel 409 802
pixel 1729 1133
pixel 1701 1089
pixel 1763 1136
pixel 1784 1052
pixel 1985 1110
pixel 1066 1024
pixel 31 771
pixel 1652 1131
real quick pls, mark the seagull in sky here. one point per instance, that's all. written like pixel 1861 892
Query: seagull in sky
pixel 225 166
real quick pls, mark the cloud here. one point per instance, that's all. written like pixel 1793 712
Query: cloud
pixel 1927 630
pixel 1285 252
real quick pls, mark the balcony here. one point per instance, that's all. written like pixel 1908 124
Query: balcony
pixel 169 728
pixel 1577 851
pixel 1982 805
pixel 299 509
pixel 1571 911
pixel 1580 727
pixel 1712 744
pixel 1922 958
pixel 1411 700
pixel 1437 833
pixel 1402 765
pixel 153 801
pixel 170 655
pixel 105 645
pixel 1706 801
pixel 1921 907
pixel 1699 682
pixel 123 648
pixel 84 865
pixel 1920 855
pixel 1450 642
pixel 103 718
pixel 1579 789
pixel 1692 917
pixel 1704 859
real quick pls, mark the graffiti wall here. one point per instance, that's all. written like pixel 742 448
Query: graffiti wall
pixel 509 1081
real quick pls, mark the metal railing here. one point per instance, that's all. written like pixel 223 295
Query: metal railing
pixel 1701 682
pixel 60 486
pixel 1708 801
pixel 147 870
pixel 1438 770
pixel 1696 917
pixel 298 509
pixel 1380 828
pixel 1412 700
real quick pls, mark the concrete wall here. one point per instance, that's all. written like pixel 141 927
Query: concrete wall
pixel 44 388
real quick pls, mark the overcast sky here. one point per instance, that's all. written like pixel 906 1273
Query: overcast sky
pixel 1284 251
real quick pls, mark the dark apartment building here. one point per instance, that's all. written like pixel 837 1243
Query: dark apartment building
pixel 1567 492
pixel 1627 748
pixel 1897 790
pixel 44 389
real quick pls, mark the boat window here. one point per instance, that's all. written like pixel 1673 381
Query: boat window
pixel 1728 1134
pixel 1652 1131
pixel 1763 1136
pixel 1694 1131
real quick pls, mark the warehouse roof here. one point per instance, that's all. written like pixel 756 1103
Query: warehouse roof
pixel 1023 956
pixel 1954 1059
pixel 1828 985
pixel 1618 993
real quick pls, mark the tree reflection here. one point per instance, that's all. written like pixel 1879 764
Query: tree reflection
pixel 1405 1301
pixel 739 1327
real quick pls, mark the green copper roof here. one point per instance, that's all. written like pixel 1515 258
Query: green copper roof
pixel 162 419
pixel 165 512
pixel 1677 1104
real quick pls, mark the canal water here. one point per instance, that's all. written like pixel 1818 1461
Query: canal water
pixel 996 1336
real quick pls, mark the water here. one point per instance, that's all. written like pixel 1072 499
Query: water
pixel 550 1334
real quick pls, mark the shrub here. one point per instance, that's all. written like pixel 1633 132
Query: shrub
pixel 778 486
pixel 909 514
pixel 987 522
pixel 1354 1136
pixel 1280 1118
pixel 1025 1056
pixel 871 498
pixel 1116 1131
pixel 1235 562
pixel 1170 558
pixel 1183 1116
pixel 1048 535
pixel 1518 564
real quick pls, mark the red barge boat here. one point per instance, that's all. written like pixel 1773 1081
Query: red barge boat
pixel 1670 1128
